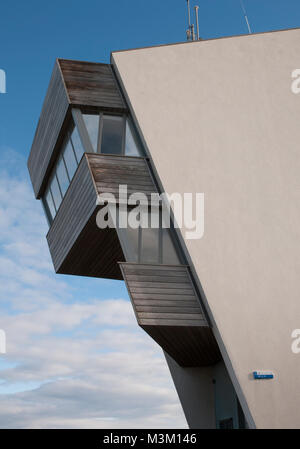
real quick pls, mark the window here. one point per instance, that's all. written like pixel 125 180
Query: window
pixel 148 245
pixel 130 238
pixel 169 254
pixel 56 193
pixel 99 132
pixel 91 122
pixel 63 172
pixel 49 204
pixel 62 176
pixel 149 251
pixel 70 160
pixel 132 145
pixel 112 135
pixel 77 145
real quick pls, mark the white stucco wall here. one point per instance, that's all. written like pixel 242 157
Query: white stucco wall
pixel 219 117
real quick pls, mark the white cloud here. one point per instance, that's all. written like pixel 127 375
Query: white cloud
pixel 75 357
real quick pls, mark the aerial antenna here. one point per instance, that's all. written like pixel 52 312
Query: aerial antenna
pixel 245 15
pixel 197 21
pixel 190 33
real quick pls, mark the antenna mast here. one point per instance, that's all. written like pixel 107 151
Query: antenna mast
pixel 245 15
pixel 190 32
pixel 197 21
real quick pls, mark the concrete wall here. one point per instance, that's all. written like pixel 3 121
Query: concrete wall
pixel 219 117
pixel 195 389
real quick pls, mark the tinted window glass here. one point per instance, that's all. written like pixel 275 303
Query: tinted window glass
pixel 130 237
pixel 49 204
pixel 70 160
pixel 112 135
pixel 132 147
pixel 169 254
pixel 77 145
pixel 55 192
pixel 92 125
pixel 150 245
pixel 62 176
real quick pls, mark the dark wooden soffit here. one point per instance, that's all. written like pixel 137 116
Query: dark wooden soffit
pixel 167 308
pixel 73 83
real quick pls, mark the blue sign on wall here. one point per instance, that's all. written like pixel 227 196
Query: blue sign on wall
pixel 263 375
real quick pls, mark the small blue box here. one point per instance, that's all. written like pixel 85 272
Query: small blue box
pixel 262 375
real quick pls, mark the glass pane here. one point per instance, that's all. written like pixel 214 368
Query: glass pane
pixel 132 146
pixel 112 135
pixel 62 176
pixel 130 238
pixel 169 254
pixel 150 245
pixel 55 192
pixel 92 125
pixel 70 160
pixel 50 204
pixel 77 145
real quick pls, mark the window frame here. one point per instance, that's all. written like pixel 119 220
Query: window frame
pixel 128 251
pixel 84 135
pixel 77 122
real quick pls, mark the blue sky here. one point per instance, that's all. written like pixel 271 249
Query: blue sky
pixel 66 364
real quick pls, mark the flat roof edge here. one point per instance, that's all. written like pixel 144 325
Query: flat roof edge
pixel 206 40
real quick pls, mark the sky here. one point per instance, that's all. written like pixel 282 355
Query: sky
pixel 75 355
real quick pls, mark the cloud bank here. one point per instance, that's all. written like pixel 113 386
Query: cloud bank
pixel 75 355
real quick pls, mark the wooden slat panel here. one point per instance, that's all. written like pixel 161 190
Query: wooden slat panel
pixel 77 245
pixel 96 253
pixel 53 115
pixel 91 84
pixel 73 83
pixel 162 322
pixel 75 210
pixel 166 291
pixel 110 180
pixel 162 297
pixel 158 284
pixel 135 268
pixel 142 279
pixel 168 309
pixel 165 303
pixel 182 309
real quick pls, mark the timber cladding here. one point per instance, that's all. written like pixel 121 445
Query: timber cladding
pixel 76 244
pixel 109 172
pixel 91 84
pixel 73 83
pixel 74 212
pixel 167 308
pixel 54 112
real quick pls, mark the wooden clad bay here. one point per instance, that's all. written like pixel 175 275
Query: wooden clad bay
pixel 168 309
pixel 73 83
pixel 95 253
pixel 76 244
